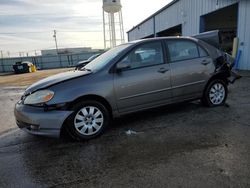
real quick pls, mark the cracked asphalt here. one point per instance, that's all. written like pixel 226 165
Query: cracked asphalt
pixel 184 145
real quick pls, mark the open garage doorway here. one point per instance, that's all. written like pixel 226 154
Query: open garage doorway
pixel 150 36
pixel 173 31
pixel 225 20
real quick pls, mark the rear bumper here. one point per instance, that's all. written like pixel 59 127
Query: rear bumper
pixel 39 122
pixel 233 77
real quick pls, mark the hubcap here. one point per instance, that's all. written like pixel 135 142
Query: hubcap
pixel 88 120
pixel 217 94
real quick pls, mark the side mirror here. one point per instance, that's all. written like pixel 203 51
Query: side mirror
pixel 122 65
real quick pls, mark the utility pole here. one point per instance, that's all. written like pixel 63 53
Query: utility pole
pixel 57 48
pixel 1 54
pixel 55 41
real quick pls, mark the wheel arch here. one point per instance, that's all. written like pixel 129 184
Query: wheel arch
pixel 87 97
pixel 220 76
pixel 97 98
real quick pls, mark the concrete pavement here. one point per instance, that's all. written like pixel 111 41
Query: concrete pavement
pixel 184 145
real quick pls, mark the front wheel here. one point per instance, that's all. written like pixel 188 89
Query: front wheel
pixel 90 118
pixel 215 94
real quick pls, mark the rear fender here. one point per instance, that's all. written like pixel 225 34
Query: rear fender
pixel 224 65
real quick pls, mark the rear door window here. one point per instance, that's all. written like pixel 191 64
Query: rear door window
pixel 202 52
pixel 180 50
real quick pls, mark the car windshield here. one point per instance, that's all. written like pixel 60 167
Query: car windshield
pixel 103 59
pixel 93 57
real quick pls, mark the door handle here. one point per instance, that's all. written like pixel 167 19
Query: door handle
pixel 205 62
pixel 163 70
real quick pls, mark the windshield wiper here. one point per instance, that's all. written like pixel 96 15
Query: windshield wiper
pixel 84 69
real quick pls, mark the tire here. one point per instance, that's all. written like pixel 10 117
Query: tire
pixel 89 120
pixel 215 93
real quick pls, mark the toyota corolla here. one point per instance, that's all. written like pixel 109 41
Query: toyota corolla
pixel 128 78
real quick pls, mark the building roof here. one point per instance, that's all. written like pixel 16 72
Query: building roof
pixel 153 15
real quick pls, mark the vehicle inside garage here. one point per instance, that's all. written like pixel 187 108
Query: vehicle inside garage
pixel 225 20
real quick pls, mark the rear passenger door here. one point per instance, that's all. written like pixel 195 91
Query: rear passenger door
pixel 190 67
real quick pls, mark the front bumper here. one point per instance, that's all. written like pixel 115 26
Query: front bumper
pixel 36 121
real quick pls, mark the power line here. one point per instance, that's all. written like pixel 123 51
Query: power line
pixel 50 14
pixel 79 31
pixel 24 32
pixel 55 33
pixel 61 31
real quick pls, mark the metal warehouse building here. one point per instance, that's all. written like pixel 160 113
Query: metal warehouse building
pixel 191 17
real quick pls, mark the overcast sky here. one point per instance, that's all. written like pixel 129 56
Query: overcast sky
pixel 27 25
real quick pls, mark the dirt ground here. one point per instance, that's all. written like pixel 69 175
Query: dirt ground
pixel 28 78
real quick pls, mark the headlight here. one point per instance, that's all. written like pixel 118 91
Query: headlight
pixel 39 97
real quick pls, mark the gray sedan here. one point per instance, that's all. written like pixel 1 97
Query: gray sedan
pixel 128 78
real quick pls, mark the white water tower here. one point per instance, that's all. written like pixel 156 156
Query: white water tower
pixel 112 23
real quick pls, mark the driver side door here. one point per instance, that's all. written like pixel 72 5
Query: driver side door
pixel 146 83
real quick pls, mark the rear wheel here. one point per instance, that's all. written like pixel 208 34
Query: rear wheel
pixel 90 118
pixel 215 94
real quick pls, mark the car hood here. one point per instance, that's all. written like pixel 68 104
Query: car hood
pixel 55 79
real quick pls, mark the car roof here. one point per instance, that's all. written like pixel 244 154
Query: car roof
pixel 213 51
pixel 162 38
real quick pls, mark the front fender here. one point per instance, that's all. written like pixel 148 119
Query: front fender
pixel 70 91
